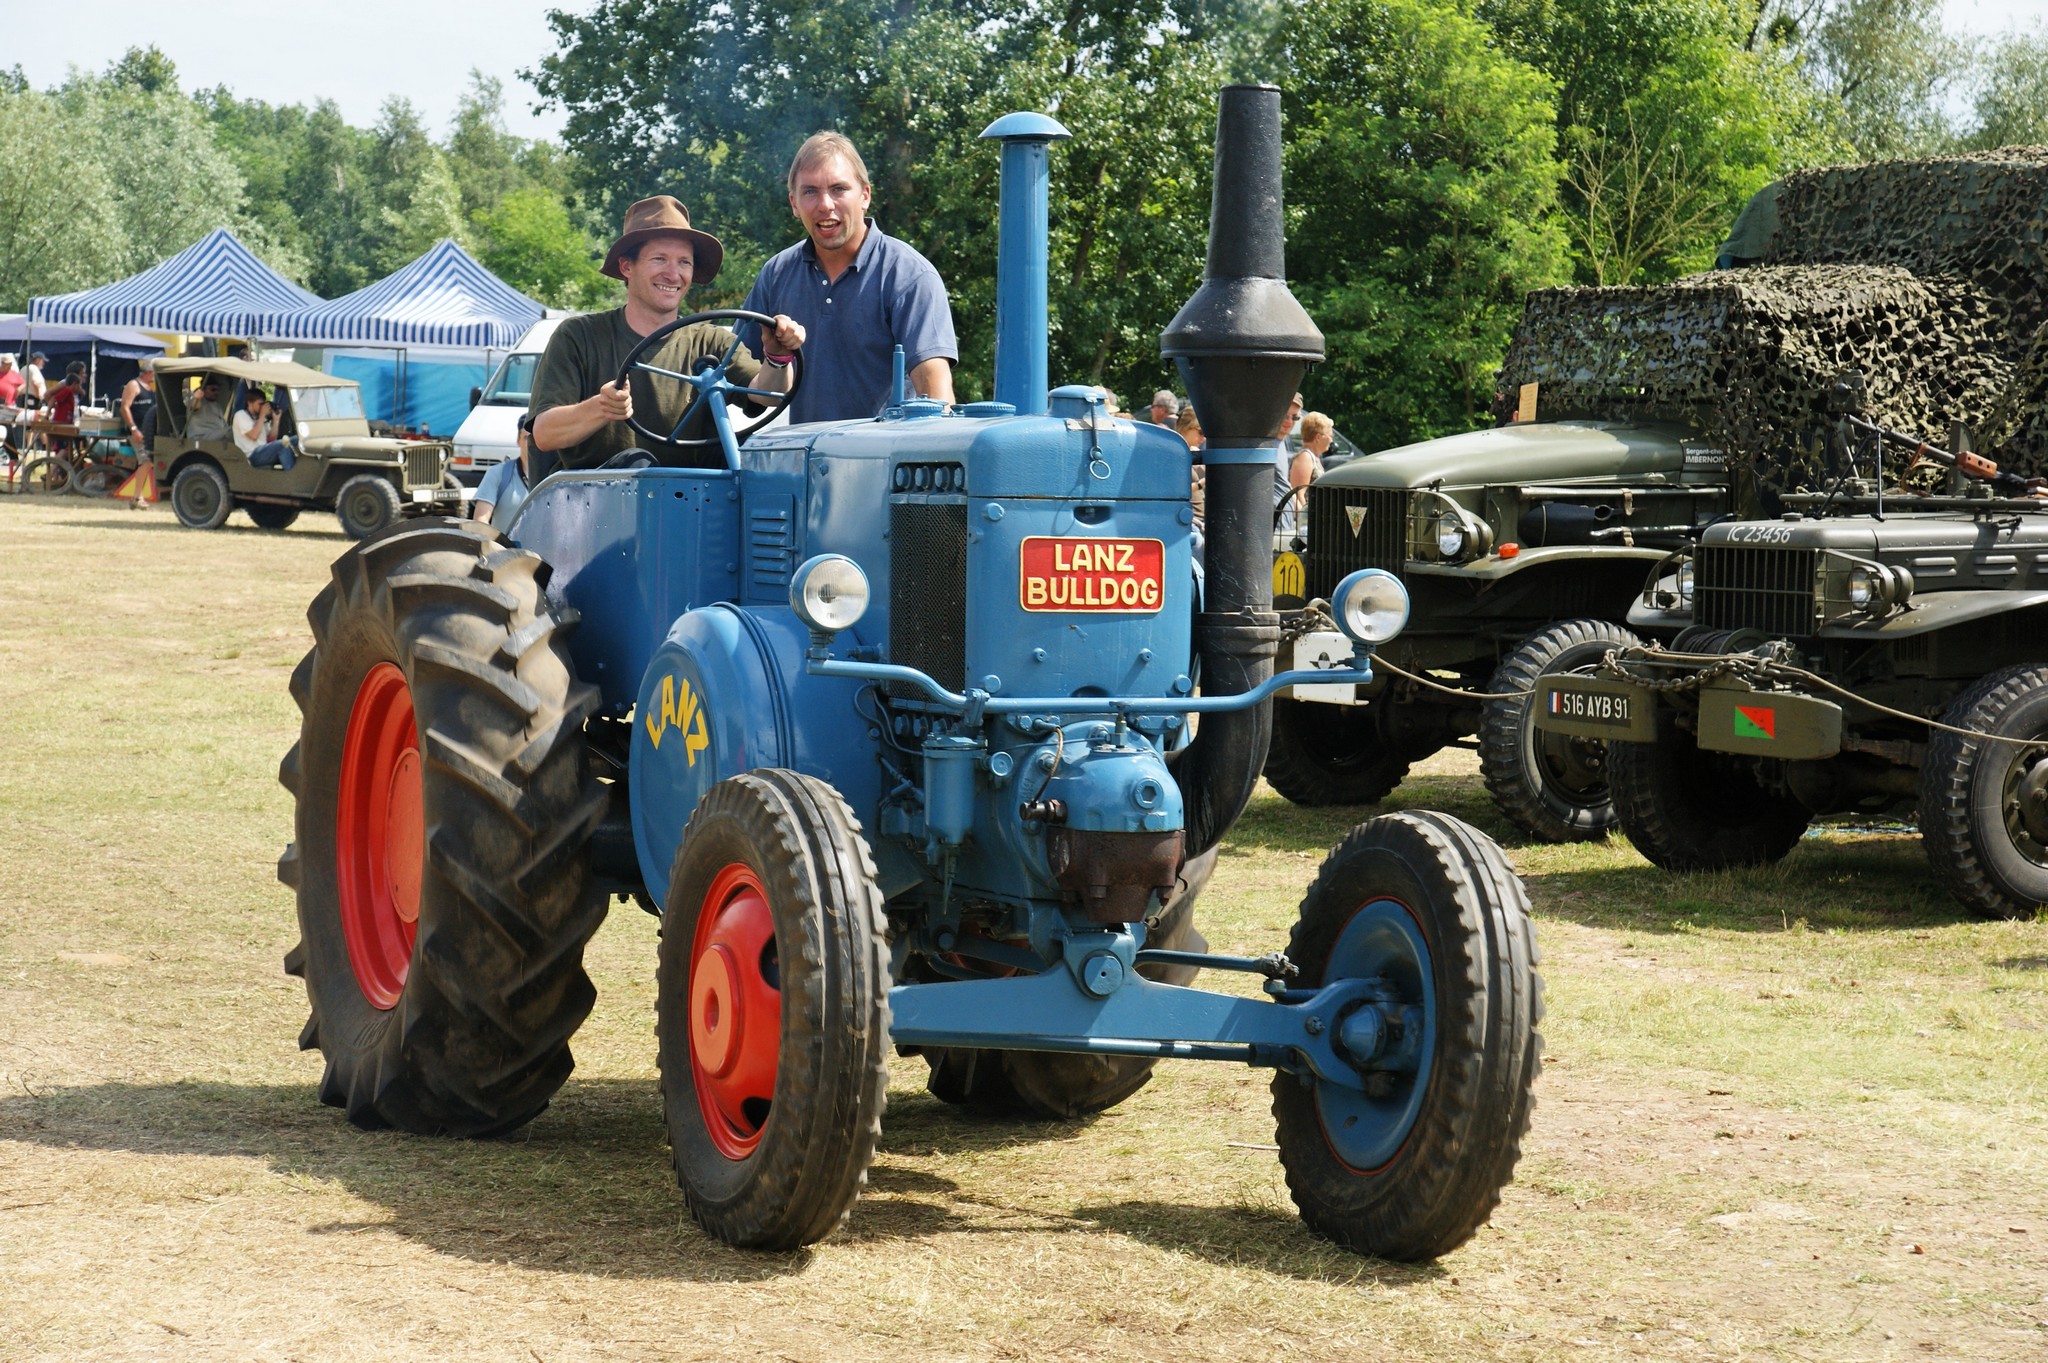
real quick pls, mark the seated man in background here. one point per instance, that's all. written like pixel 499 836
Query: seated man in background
pixel 256 434
pixel 206 414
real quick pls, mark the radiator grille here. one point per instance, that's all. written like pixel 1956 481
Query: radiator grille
pixel 928 589
pixel 423 467
pixel 1746 586
pixel 1334 549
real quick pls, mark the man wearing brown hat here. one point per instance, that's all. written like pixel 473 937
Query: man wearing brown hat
pixel 580 409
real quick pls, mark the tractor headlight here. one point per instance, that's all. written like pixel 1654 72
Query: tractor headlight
pixel 829 593
pixel 1371 605
pixel 1684 576
pixel 1451 535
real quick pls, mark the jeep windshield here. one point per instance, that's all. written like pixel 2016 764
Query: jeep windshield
pixel 328 404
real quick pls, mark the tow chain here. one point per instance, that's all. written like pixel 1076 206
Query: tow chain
pixel 1315 619
pixel 1768 664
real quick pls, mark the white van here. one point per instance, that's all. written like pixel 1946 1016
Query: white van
pixel 490 433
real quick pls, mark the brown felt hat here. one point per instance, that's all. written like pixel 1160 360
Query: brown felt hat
pixel 664 216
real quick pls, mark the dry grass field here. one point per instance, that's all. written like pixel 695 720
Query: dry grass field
pixel 1794 1114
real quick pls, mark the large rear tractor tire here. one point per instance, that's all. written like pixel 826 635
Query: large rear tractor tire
pixel 444 812
pixel 199 497
pixel 366 505
pixel 1410 1165
pixel 1984 802
pixel 1686 809
pixel 1334 754
pixel 1552 787
pixel 1058 1085
pixel 773 1010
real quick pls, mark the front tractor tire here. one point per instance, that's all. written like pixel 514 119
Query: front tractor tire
pixel 772 1012
pixel 444 811
pixel 1984 801
pixel 1688 809
pixel 1412 1165
pixel 1552 787
pixel 1335 754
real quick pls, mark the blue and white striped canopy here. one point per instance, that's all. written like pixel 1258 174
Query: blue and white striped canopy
pixel 214 287
pixel 444 298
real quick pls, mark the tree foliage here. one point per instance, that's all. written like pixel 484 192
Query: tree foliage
pixel 1421 169
pixel 2012 102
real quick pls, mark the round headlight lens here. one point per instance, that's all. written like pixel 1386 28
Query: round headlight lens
pixel 1862 587
pixel 1684 576
pixel 829 593
pixel 1451 535
pixel 1372 605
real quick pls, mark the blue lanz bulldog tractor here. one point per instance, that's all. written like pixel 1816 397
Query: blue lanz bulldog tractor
pixel 893 722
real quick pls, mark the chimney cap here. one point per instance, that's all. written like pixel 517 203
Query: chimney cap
pixel 1025 127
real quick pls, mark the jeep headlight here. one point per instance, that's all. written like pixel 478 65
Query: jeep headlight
pixel 1684 577
pixel 1371 606
pixel 829 593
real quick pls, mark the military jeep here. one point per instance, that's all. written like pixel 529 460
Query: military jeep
pixel 1522 548
pixel 367 481
pixel 1809 655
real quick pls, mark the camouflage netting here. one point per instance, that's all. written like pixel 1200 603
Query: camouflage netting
pixel 1930 277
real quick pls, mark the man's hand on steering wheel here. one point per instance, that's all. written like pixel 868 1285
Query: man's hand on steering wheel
pixel 710 382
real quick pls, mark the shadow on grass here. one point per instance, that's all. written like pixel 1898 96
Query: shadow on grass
pixel 587 1187
pixel 232 527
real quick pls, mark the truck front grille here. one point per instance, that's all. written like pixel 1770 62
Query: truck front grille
pixel 928 589
pixel 423 467
pixel 1336 547
pixel 1762 587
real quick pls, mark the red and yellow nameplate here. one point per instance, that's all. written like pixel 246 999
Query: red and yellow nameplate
pixel 1066 575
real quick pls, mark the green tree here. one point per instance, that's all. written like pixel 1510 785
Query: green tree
pixel 484 158
pixel 1422 172
pixel 416 198
pixel 1889 67
pixel 528 240
pixel 2011 106
pixel 146 69
pixel 59 227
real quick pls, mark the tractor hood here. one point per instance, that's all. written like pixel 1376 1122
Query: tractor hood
pixel 1547 452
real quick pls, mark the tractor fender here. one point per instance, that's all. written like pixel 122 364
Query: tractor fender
pixel 712 704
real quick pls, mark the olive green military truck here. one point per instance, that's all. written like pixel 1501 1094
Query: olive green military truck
pixel 1657 412
pixel 367 481
pixel 1856 655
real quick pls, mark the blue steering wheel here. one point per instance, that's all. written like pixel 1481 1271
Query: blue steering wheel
pixel 711 385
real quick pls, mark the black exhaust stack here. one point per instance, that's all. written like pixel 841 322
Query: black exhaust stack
pixel 1242 345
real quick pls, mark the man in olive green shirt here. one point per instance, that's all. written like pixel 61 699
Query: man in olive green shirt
pixel 579 408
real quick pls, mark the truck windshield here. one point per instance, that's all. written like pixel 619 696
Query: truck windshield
pixel 327 404
pixel 512 385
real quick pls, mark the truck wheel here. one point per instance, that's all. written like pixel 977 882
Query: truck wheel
pixel 1690 810
pixel 1333 754
pixel 444 811
pixel 199 497
pixel 1059 1085
pixel 270 516
pixel 1984 804
pixel 1411 1165
pixel 366 504
pixel 773 1011
pixel 1551 787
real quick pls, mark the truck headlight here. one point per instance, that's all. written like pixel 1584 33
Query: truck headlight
pixel 829 593
pixel 1371 605
pixel 1451 535
pixel 1879 587
pixel 1684 576
pixel 1862 587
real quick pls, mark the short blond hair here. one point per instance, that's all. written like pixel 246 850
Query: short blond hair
pixel 1187 423
pixel 822 147
pixel 1314 424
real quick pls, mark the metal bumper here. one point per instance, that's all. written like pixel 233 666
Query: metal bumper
pixel 1734 717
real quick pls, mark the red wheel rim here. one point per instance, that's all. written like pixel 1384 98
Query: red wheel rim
pixel 735 1010
pixel 380 835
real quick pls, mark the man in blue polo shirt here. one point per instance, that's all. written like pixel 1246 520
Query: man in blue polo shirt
pixel 857 293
